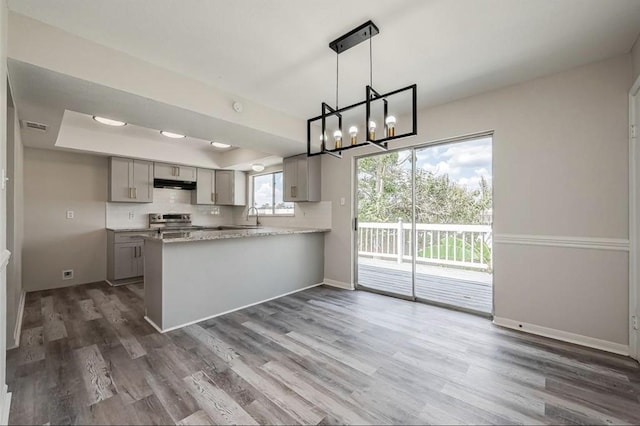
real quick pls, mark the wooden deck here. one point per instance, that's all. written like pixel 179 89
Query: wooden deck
pixel 470 290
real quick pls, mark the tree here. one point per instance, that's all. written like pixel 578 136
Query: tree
pixel 385 194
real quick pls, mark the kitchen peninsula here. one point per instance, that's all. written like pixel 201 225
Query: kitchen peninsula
pixel 192 276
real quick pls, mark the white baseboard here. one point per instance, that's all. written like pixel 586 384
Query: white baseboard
pixel 338 284
pixel 5 405
pixel 154 325
pixel 18 328
pixel 564 336
pixel 161 330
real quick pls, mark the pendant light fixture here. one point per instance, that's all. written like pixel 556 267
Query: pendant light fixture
pixel 384 108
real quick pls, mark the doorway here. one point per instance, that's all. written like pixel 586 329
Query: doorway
pixel 424 224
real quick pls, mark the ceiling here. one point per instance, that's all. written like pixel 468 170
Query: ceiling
pixel 45 95
pixel 276 52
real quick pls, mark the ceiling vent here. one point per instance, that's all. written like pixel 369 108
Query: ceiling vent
pixel 35 126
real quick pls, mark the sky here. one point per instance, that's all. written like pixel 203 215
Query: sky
pixel 464 162
pixel 263 189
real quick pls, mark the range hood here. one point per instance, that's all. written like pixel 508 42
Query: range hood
pixel 174 184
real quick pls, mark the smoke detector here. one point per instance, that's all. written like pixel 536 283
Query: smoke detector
pixel 35 126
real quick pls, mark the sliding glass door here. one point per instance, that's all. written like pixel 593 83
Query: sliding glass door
pixel 384 205
pixel 424 224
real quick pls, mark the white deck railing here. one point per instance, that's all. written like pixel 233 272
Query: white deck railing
pixel 466 246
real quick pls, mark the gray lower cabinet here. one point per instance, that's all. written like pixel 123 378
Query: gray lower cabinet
pixel 231 188
pixel 125 255
pixel 130 181
pixel 302 176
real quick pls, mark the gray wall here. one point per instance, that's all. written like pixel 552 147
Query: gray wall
pixel 560 169
pixel 54 182
pixel 15 222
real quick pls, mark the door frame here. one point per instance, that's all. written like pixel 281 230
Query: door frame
pixel 354 213
pixel 634 222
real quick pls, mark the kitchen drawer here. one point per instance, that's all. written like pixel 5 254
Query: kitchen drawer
pixel 131 237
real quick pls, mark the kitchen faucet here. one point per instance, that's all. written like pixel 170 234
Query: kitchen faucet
pixel 257 215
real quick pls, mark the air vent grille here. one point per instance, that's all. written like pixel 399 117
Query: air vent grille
pixel 35 126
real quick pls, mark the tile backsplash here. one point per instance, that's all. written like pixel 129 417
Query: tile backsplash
pixel 135 215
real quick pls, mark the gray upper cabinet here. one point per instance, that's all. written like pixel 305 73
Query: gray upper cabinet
pixel 174 172
pixel 205 192
pixel 230 188
pixel 302 176
pixel 130 181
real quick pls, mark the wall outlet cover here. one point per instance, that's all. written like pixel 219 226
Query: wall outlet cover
pixel 67 274
pixel 70 214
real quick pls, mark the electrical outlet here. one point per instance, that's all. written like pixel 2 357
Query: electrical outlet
pixel 634 321
pixel 131 215
pixel 69 214
pixel 342 201
pixel 67 274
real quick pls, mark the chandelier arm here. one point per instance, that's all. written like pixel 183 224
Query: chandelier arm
pixel 370 60
pixel 337 77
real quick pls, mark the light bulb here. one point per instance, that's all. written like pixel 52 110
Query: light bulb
pixel 372 130
pixel 391 126
pixel 353 131
pixel 109 121
pixel 337 135
pixel 220 145
pixel 172 135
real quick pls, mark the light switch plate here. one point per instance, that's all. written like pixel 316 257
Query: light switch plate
pixel 342 201
pixel 69 214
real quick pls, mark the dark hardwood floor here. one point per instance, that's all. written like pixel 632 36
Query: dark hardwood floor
pixel 321 356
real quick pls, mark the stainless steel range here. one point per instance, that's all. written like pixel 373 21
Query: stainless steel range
pixel 164 222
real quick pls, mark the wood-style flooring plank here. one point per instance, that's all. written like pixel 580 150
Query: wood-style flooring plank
pixel 31 345
pixel 95 374
pixel 196 419
pixel 54 328
pixel 218 405
pixel 88 310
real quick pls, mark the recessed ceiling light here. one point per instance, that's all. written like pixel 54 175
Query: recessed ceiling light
pixel 109 122
pixel 220 145
pixel 172 135
pixel 257 167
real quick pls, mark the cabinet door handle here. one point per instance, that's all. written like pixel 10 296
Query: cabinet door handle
pixel 213 197
pixel 135 192
pixel 135 252
pixel 140 251
pixel 178 170
pixel 130 192
pixel 294 191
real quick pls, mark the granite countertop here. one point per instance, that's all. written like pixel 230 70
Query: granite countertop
pixel 209 235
